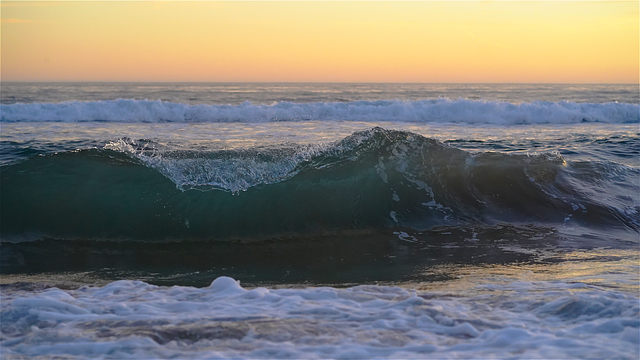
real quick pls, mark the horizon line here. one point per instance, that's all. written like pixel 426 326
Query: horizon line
pixel 303 82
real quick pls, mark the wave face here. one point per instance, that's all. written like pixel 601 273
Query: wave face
pixel 375 179
pixel 422 111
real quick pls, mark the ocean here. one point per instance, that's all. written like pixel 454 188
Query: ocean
pixel 242 220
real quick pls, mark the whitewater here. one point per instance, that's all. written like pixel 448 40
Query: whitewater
pixel 319 221
pixel 132 319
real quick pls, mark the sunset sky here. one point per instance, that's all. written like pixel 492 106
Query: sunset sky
pixel 431 41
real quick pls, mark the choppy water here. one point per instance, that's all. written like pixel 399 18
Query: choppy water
pixel 362 220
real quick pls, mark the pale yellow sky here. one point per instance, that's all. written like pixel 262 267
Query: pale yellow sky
pixel 431 41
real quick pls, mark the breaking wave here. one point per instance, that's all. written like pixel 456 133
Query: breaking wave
pixel 375 179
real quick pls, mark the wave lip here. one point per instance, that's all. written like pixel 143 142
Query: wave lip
pixel 422 111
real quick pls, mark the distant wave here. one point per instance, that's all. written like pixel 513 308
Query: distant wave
pixel 423 111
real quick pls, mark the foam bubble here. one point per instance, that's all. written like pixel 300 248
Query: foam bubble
pixel 225 285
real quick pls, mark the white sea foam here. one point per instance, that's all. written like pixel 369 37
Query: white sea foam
pixel 235 172
pixel 422 111
pixel 132 319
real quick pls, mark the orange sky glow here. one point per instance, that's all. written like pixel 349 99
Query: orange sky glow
pixel 430 41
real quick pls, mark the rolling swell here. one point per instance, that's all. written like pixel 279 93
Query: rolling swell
pixel 376 179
